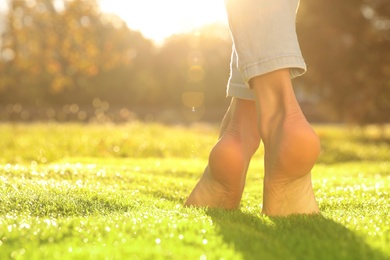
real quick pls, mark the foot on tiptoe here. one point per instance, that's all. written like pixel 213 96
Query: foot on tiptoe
pixel 223 181
pixel 290 153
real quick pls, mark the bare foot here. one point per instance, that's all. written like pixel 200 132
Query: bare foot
pixel 288 162
pixel 223 180
pixel 291 147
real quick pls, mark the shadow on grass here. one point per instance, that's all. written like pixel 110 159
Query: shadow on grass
pixel 295 237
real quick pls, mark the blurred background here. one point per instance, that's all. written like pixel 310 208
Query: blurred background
pixel 168 61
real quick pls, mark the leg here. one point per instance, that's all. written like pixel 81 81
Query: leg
pixel 223 180
pixel 291 146
pixel 268 54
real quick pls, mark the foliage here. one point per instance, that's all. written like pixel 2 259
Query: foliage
pixel 195 64
pixel 87 200
pixel 69 54
pixel 347 47
pixel 75 54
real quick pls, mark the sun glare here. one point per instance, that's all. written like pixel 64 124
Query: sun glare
pixel 157 19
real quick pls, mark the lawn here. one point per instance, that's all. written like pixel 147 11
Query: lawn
pixel 85 191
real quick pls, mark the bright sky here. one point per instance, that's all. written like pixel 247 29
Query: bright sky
pixel 158 19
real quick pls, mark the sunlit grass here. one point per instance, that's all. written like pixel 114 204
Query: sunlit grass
pixel 47 143
pixel 73 191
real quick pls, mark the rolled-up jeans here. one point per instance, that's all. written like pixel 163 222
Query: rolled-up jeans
pixel 264 40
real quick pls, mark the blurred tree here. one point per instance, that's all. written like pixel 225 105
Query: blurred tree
pixel 68 54
pixel 347 48
pixel 197 63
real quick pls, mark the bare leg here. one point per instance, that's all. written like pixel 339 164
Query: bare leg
pixel 291 146
pixel 223 181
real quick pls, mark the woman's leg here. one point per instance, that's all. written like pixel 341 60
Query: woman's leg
pixel 268 56
pixel 290 144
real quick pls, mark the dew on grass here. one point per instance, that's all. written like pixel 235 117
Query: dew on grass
pixel 181 237
pixel 3 179
pixel 79 183
pixel 16 254
pixel 90 166
pixel 204 242
pixel 158 241
pixel 50 222
pixel 24 226
pixel 9 228
pixel 101 173
pixel 203 257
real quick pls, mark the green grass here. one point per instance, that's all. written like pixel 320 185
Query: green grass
pixel 73 191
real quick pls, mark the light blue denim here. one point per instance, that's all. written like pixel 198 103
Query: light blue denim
pixel 264 40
